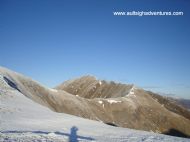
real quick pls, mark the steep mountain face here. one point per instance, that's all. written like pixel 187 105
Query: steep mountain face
pixel 183 102
pixel 114 103
pixel 171 105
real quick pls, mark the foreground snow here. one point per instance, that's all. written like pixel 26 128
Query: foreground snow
pixel 24 120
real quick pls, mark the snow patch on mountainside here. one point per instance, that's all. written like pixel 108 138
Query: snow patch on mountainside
pixel 100 82
pixel 100 102
pixel 131 92
pixel 113 101
pixel 53 90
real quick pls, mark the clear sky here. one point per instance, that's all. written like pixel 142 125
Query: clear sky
pixel 55 40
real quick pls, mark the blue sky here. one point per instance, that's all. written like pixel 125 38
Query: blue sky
pixel 52 41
